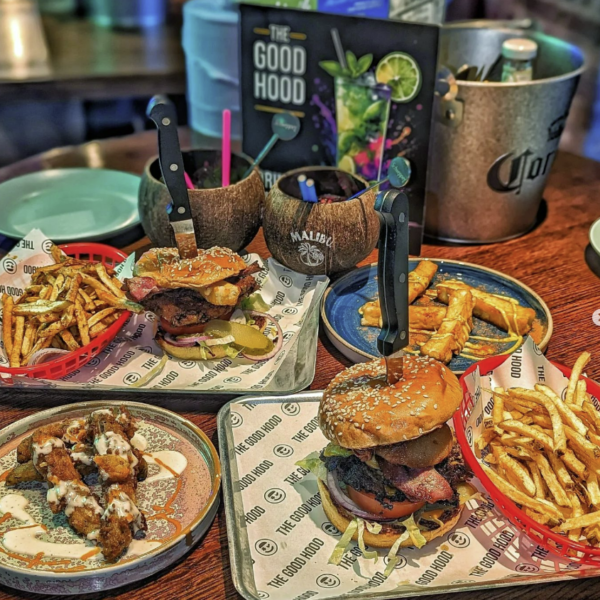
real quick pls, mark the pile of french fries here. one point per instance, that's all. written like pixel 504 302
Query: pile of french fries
pixel 545 454
pixel 67 305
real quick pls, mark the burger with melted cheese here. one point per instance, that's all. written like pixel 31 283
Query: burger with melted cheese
pixel 207 305
pixel 393 474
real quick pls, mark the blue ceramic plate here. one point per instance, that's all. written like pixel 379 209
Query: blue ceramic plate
pixel 70 204
pixel 342 300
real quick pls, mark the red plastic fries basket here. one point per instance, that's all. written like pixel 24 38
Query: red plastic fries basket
pixel 63 365
pixel 540 534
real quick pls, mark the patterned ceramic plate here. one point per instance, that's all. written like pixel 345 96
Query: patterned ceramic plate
pixel 342 300
pixel 40 553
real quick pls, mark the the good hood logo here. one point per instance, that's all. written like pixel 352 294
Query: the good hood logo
pixel 518 171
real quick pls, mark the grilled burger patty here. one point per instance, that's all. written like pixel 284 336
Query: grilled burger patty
pixel 185 306
pixel 431 485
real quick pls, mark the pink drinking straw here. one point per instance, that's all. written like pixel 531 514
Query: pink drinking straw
pixel 226 147
pixel 188 181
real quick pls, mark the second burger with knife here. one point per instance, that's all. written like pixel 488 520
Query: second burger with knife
pixel 208 306
pixel 392 474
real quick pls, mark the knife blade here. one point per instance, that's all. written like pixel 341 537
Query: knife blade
pixel 162 111
pixel 392 280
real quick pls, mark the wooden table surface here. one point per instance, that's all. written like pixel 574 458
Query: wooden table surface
pixel 107 63
pixel 554 259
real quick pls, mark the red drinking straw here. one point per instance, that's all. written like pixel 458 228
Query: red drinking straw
pixel 226 147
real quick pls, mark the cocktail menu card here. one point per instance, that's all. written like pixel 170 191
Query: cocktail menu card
pixel 362 88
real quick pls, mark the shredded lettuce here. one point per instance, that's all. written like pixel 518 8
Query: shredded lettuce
pixel 203 352
pixel 315 465
pixel 340 547
pixel 373 527
pixel 333 450
pixel 414 532
pixel 392 558
pixel 361 541
pixel 231 352
pixel 255 302
pixel 435 520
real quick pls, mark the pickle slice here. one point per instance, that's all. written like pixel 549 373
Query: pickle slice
pixel 247 338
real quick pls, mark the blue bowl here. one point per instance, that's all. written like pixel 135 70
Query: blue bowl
pixel 342 300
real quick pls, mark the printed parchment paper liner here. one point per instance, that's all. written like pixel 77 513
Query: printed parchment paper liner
pixel 484 550
pixel 294 300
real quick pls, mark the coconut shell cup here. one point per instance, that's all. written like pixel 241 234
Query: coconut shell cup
pixel 320 239
pixel 229 217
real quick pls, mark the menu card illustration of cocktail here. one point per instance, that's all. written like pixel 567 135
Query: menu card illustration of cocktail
pixel 362 88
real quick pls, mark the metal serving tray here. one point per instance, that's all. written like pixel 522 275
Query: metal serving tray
pixel 280 539
pixel 296 371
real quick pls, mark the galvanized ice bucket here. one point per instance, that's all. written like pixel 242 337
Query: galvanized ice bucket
pixel 493 145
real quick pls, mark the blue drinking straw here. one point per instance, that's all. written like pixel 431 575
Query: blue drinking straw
pixel 312 192
pixel 304 191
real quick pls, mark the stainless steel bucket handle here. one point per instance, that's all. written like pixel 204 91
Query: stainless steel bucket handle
pixel 451 109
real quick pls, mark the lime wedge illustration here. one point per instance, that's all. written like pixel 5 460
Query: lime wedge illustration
pixel 401 72
pixel 347 164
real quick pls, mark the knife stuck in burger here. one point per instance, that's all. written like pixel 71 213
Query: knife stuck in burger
pixel 208 307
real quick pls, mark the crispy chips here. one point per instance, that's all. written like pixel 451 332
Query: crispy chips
pixel 67 305
pixel 545 454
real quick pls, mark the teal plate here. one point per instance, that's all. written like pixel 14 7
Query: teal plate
pixel 595 236
pixel 70 204
pixel 342 300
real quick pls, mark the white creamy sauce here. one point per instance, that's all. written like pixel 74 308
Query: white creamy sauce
pixel 103 411
pixel 82 457
pixel 139 442
pixel 75 431
pixel 25 540
pixel 124 507
pixel 73 495
pixel 45 448
pixel 114 443
pixel 139 547
pixel 15 504
pixel 172 459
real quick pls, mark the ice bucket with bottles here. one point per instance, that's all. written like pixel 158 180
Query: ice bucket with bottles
pixel 493 145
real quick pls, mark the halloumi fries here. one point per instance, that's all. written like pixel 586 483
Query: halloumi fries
pixel 454 331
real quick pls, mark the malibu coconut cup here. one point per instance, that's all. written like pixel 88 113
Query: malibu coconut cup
pixel 223 216
pixel 320 238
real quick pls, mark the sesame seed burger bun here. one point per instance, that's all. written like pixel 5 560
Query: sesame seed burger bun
pixel 360 410
pixel 382 539
pixel 169 270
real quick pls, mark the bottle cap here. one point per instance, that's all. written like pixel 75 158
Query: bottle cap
pixel 519 49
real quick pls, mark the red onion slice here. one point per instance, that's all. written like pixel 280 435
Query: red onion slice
pixel 175 342
pixel 278 344
pixel 338 495
pixel 44 355
pixel 187 342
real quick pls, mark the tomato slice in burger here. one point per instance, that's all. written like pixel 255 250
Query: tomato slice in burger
pixel 369 503
pixel 183 330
